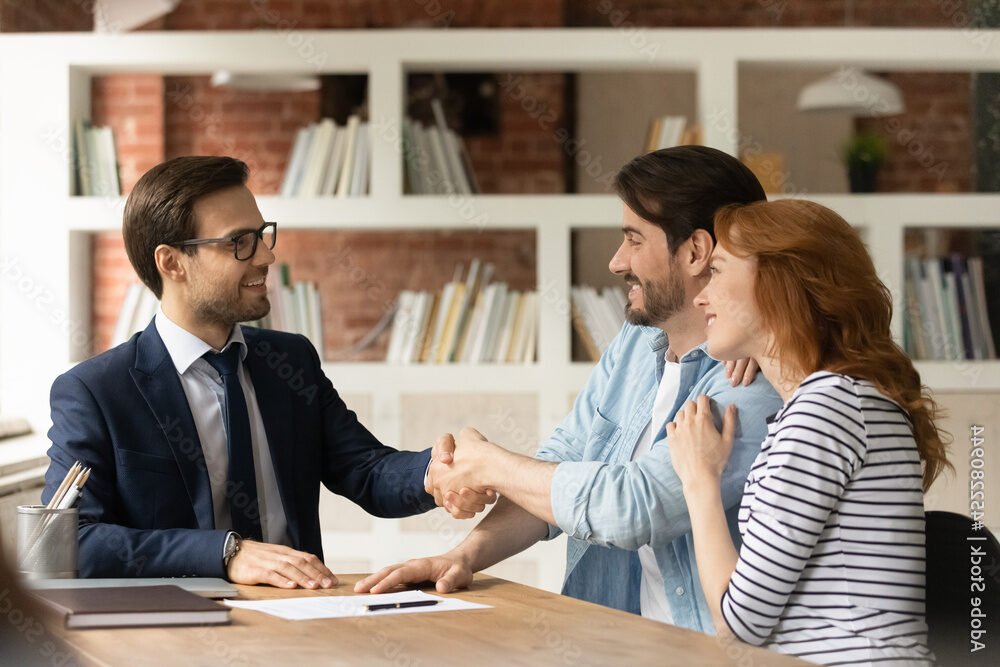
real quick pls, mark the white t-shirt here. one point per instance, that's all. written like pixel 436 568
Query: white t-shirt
pixel 652 595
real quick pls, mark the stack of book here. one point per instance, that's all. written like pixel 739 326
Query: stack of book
pixel 669 131
pixel 294 308
pixel 472 321
pixel 597 317
pixel 95 159
pixel 946 309
pixel 436 159
pixel 329 160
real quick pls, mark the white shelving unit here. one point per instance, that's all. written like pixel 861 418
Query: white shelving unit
pixel 45 262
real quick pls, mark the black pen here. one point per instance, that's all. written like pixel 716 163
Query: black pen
pixel 401 605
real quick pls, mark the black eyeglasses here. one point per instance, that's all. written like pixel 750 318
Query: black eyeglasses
pixel 244 243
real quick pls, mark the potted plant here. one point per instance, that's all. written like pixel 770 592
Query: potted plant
pixel 864 154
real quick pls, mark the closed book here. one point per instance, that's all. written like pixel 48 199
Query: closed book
pixel 84 168
pixel 350 157
pixel 978 275
pixel 317 159
pixel 336 162
pixel 296 161
pixel 131 607
pixel 451 332
pixel 362 150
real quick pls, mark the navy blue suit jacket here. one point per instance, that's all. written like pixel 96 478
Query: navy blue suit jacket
pixel 147 507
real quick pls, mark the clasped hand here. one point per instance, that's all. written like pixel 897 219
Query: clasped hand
pixel 456 476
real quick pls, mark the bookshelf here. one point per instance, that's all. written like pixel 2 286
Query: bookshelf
pixel 43 239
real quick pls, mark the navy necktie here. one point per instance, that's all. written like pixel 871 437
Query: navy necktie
pixel 241 488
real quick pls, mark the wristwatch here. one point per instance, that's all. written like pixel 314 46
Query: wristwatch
pixel 231 547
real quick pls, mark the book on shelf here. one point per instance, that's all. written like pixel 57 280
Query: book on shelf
pixel 329 160
pixel 669 131
pixel 96 160
pixel 132 606
pixel 597 317
pixel 295 307
pixel 435 157
pixel 946 309
pixel 471 321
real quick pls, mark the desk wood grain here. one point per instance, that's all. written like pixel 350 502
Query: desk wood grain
pixel 526 627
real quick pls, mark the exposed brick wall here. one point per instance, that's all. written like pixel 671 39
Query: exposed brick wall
pixel 45 16
pixel 763 13
pixel 316 14
pixel 111 276
pixel 359 274
pixel 930 144
pixel 525 157
pixel 256 127
pixel 132 105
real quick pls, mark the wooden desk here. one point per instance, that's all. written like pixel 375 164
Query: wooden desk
pixel 526 627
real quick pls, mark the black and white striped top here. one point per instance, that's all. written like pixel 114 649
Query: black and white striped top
pixel 832 563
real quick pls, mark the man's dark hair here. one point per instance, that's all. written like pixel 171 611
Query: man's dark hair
pixel 679 189
pixel 160 208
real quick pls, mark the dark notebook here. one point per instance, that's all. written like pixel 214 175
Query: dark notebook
pixel 134 606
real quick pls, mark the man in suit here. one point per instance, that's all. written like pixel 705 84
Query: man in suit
pixel 208 440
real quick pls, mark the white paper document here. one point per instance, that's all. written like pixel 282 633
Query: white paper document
pixel 344 606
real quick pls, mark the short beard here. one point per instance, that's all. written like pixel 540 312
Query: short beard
pixel 661 300
pixel 229 313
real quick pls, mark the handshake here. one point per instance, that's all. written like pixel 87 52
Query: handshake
pixel 460 471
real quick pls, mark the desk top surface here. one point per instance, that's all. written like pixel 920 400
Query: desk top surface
pixel 526 626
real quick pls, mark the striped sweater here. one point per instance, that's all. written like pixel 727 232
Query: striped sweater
pixel 832 563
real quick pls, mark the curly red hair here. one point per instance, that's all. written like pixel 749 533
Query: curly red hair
pixel 812 264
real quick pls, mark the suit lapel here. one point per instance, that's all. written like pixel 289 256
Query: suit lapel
pixel 274 400
pixel 156 379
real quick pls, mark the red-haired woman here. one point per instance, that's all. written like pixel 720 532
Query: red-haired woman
pixel 832 563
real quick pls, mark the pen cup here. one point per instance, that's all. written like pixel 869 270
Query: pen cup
pixel 47 542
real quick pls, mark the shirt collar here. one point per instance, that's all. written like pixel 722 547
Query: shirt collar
pixel 185 348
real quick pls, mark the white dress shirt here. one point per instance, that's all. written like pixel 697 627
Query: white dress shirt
pixel 206 397
pixel 652 592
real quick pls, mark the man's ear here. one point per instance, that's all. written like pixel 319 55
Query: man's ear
pixel 169 264
pixel 698 252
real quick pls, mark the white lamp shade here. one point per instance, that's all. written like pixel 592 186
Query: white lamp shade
pixel 849 89
pixel 289 83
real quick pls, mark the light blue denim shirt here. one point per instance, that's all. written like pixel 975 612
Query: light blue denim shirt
pixel 609 505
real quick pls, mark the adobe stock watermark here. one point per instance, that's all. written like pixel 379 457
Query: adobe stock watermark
pixel 905 137
pixel 637 36
pixel 978 584
pixel 58 141
pixel 541 111
pixel 438 15
pixel 955 13
pixel 292 375
pixel 32 630
pixel 748 146
pixel 388 130
pixel 568 651
pixel 182 96
pixel 40 295
pixel 302 44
